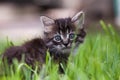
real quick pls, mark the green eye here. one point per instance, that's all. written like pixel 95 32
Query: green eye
pixel 71 36
pixel 57 38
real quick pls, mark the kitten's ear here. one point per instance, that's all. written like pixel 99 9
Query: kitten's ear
pixel 78 19
pixel 47 23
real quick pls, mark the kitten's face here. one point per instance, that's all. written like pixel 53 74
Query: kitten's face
pixel 62 35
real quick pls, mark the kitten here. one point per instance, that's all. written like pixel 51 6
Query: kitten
pixel 60 36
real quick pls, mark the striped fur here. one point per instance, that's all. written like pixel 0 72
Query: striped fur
pixel 64 27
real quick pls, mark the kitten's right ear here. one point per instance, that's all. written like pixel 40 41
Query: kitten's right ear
pixel 47 23
pixel 78 19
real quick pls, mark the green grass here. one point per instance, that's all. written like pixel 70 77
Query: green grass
pixel 98 58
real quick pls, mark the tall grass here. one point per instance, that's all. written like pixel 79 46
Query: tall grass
pixel 98 58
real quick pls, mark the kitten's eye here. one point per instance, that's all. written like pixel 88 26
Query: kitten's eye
pixel 57 38
pixel 71 36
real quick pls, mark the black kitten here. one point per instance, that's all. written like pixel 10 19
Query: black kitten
pixel 60 36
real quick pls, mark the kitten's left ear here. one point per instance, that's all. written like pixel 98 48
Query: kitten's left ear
pixel 79 19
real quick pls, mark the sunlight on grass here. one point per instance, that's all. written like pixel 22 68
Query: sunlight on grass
pixel 98 58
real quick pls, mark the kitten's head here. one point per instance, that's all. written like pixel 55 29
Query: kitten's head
pixel 62 34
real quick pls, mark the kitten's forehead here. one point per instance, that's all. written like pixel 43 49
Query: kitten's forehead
pixel 64 25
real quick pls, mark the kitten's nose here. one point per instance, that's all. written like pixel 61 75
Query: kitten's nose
pixel 65 43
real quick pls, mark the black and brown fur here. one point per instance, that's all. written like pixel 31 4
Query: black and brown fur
pixel 34 52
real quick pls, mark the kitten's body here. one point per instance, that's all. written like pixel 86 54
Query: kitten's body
pixel 60 36
pixel 33 52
